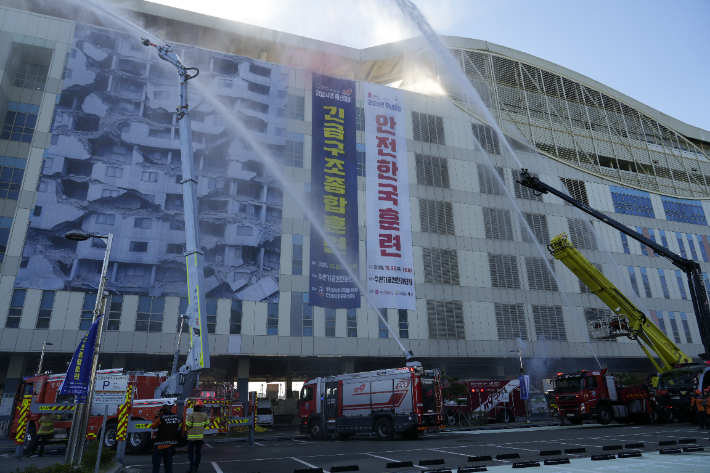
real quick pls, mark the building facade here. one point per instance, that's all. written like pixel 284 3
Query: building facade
pixel 90 141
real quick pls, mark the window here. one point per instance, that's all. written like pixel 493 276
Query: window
pixel 45 309
pixel 19 123
pixel 105 219
pixel 549 322
pixel 150 314
pixel 31 76
pixel 691 246
pixel 258 88
pixel 14 314
pixel 644 248
pixel 429 128
pixel 224 83
pixel 432 171
pixel 177 225
pixel 632 278
pixel 489 182
pixel 539 276
pixel 235 318
pixel 329 322
pixel 688 211
pixel 510 321
pixel 593 314
pixel 384 333
pixel 581 235
pixel 701 245
pixel 360 119
pixel 625 243
pixel 296 107
pixel 403 323
pixel 110 193
pixel 681 284
pixel 674 326
pixel 140 222
pixel 11 174
pixel 632 202
pixel 294 150
pixel 149 176
pixel 522 192
pixel 652 236
pixel 114 171
pixel 664 240
pixel 440 266
pixel 445 320
pixel 243 230
pixel 5 226
pixel 114 313
pixel 488 138
pixel 87 312
pixel 98 243
pixel 538 226
pixel 576 189
pixel 297 267
pixel 661 322
pixel 361 163
pixel 259 70
pixel 664 283
pixel 498 224
pixel 306 317
pixel 686 327
pixel 646 283
pixel 352 323
pixel 211 309
pixel 37 212
pixel 436 216
pixel 583 288
pixel 272 319
pixel 504 271
pixel 139 246
pixel 175 249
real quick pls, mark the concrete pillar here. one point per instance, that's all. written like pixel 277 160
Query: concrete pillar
pixel 15 372
pixel 347 365
pixel 243 379
pixel 289 388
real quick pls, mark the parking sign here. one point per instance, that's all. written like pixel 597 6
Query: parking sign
pixel 110 390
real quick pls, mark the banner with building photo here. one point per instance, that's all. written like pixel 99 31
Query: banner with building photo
pixel 390 262
pixel 334 194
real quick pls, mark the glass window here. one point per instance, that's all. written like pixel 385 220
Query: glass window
pixel 686 327
pixel 307 317
pixel 360 119
pixel 297 267
pixel 664 283
pixel 31 76
pixel 45 309
pixel 679 237
pixel 646 283
pixel 272 319
pixel 182 310
pixel 19 123
pixel 144 223
pixel 87 312
pixel 5 225
pixel 625 243
pixel 235 318
pixel 352 322
pixel 632 202
pixel 12 171
pixel 114 313
pixel 701 245
pixel 384 333
pixel 296 107
pixel 294 150
pixel 139 246
pixel 632 278
pixel 211 308
pixel 329 322
pixel 403 323
pixel 150 314
pixel 691 246
pixel 361 164
pixel 680 210
pixel 674 326
pixel 681 284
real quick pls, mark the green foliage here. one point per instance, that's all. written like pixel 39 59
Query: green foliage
pixel 88 461
pixel 454 390
pixel 627 379
pixel 56 468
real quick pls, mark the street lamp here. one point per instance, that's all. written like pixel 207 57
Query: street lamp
pixel 41 357
pixel 75 446
pixel 522 372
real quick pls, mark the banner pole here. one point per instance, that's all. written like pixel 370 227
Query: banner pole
pixel 101 439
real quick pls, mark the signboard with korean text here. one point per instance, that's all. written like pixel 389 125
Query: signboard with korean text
pixel 390 262
pixel 110 389
pixel 334 194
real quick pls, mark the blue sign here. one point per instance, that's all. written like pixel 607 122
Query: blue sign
pixel 78 375
pixel 524 386
pixel 334 195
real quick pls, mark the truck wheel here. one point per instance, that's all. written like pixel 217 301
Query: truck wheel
pixel 452 418
pixel 31 440
pixel 316 430
pixel 604 415
pixel 384 429
pixel 110 435
pixel 137 442
pixel 505 417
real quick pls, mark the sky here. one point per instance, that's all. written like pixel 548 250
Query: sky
pixel 657 52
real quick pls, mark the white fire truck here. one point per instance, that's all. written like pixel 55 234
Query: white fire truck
pixel 400 400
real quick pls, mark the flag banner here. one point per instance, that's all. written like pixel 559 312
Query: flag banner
pixel 524 386
pixel 334 194
pixel 390 261
pixel 76 381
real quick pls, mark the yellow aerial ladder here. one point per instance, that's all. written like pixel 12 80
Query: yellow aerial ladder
pixel 626 320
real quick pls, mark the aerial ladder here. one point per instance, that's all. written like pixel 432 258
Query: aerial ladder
pixel 638 325
pixel 627 319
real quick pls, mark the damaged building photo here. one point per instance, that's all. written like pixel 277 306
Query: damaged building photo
pixel 114 166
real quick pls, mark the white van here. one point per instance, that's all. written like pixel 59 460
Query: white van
pixel 264 414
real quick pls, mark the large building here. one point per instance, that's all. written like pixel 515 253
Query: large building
pixel 90 140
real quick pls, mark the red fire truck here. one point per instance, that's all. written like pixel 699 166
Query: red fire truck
pixel 400 400
pixel 220 406
pixel 499 398
pixel 593 395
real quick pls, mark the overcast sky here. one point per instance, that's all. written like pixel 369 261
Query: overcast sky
pixel 657 52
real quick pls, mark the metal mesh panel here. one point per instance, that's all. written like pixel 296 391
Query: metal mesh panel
pixel 576 189
pixel 538 225
pixel 510 321
pixel 504 271
pixel 436 216
pixel 445 319
pixel 429 128
pixel 498 224
pixel 524 192
pixel 582 237
pixel 539 277
pixel 432 171
pixel 549 322
pixel 487 138
pixel 488 183
pixel 440 266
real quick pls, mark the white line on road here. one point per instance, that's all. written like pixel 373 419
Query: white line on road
pixel 307 464
pixel 301 441
pixel 450 453
pixel 259 444
pixel 209 445
pixel 391 460
pixel 217 468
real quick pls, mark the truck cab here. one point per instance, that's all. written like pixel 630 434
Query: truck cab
pixel 675 389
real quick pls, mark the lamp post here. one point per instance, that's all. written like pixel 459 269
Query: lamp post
pixel 522 372
pixel 41 357
pixel 77 436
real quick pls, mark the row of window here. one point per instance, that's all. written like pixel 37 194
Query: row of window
pixel 696 245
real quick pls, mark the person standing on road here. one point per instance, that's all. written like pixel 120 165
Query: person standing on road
pixel 195 425
pixel 167 424
pixel 46 428
pixel 697 401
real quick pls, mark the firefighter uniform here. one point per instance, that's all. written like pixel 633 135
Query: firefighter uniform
pixel 167 424
pixel 195 424
pixel 697 401
pixel 46 428
pixel 706 403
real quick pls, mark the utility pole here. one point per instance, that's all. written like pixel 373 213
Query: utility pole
pixel 522 372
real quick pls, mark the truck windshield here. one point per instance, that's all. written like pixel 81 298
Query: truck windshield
pixel 306 393
pixel 681 378
pixel 428 395
pixel 569 385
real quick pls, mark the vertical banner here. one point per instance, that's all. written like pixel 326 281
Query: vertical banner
pixel 524 386
pixel 78 375
pixel 334 194
pixel 390 262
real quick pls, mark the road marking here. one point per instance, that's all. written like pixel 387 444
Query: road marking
pixel 450 453
pixel 259 444
pixel 208 445
pixel 391 460
pixel 217 468
pixel 302 441
pixel 301 461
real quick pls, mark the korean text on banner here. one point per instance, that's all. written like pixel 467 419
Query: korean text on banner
pixel 110 390
pixel 76 381
pixel 524 386
pixel 334 194
pixel 390 262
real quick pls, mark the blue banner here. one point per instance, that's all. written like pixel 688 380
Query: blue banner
pixel 78 375
pixel 334 194
pixel 524 386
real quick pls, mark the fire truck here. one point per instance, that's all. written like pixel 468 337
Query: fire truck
pixel 393 401
pixel 499 399
pixel 221 405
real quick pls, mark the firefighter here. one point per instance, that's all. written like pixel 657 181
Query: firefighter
pixel 697 401
pixel 196 423
pixel 46 428
pixel 167 424
pixel 706 403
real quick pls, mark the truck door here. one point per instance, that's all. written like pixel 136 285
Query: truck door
pixel 331 400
